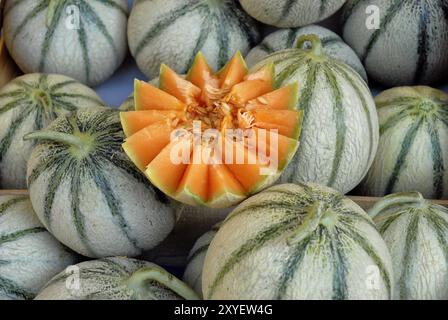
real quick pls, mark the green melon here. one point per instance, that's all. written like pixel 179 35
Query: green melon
pixel 29 255
pixel 416 232
pixel 88 193
pixel 410 44
pixel 332 46
pixel 83 39
pixel 196 258
pixel 173 32
pixel 116 279
pixel 413 148
pixel 340 125
pixel 291 13
pixel 30 103
pixel 298 242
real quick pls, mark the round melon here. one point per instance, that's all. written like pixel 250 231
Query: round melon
pixel 212 138
pixel 128 104
pixel 173 32
pixel 416 232
pixel 29 255
pixel 340 125
pixel 291 13
pixel 30 103
pixel 413 148
pixel 89 194
pixel 116 278
pixel 298 242
pixel 195 260
pixel 332 46
pixel 83 39
pixel 399 42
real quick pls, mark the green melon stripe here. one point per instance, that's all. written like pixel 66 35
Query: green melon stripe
pixel 19 234
pixel 341 127
pixel 112 4
pixel 223 39
pixel 7 9
pixel 286 9
pixel 265 47
pixel 82 39
pixel 34 12
pixel 49 35
pixel 407 263
pixel 64 105
pixel 241 20
pixel 350 7
pixel 327 41
pixel 402 156
pixel 11 105
pixel 164 22
pixel 61 85
pixel 291 37
pixel 197 252
pixel 393 120
pixel 57 157
pixel 340 269
pixel 386 224
pixel 10 203
pixel 12 289
pixel 203 36
pixel 440 226
pixel 288 71
pixel 292 265
pixel 26 85
pixel 76 95
pixel 354 216
pixel 385 21
pixel 322 7
pixel 13 94
pixel 437 160
pixel 264 236
pixel 423 44
pixel 370 251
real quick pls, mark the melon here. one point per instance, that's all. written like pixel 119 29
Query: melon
pixel 340 125
pixel 416 232
pixel 173 32
pixel 30 103
pixel 29 255
pixel 213 138
pixel 116 278
pixel 298 242
pixel 291 13
pixel 399 42
pixel 332 45
pixel 88 193
pixel 196 258
pixel 83 39
pixel 413 148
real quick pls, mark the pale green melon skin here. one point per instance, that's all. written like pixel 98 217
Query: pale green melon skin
pixel 32 259
pixel 104 279
pixel 15 157
pixel 394 57
pixel 424 275
pixel 333 46
pixel 177 43
pixel 241 264
pixel 147 215
pixel 65 53
pixel 423 168
pixel 300 12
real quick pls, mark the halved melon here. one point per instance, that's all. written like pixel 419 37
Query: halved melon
pixel 213 139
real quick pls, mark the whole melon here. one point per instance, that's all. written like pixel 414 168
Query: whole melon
pixel 340 124
pixel 88 193
pixel 413 147
pixel 173 32
pixel 298 242
pixel 196 258
pixel 332 46
pixel 291 13
pixel 30 103
pixel 416 232
pixel 83 39
pixel 116 278
pixel 399 42
pixel 29 255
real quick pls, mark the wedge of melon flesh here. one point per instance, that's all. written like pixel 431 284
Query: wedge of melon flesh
pixel 133 121
pixel 228 168
pixel 149 97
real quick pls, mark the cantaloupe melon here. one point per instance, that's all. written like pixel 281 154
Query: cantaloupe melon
pixel 217 170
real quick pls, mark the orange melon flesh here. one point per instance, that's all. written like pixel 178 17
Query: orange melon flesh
pixel 249 89
pixel 266 73
pixel 148 97
pixel 143 146
pixel 286 121
pixel 133 121
pixel 166 174
pixel 233 72
pixel 178 87
pixel 283 98
pixel 201 73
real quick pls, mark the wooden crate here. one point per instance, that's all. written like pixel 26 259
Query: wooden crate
pixel 174 250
